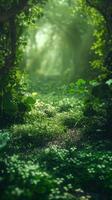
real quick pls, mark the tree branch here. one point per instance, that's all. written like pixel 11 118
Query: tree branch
pixel 98 7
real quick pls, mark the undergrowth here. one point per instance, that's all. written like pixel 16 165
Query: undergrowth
pixel 49 156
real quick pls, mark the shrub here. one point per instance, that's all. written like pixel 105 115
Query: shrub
pixel 38 134
pixel 48 109
pixel 72 120
pixel 4 138
pixel 84 169
pixel 25 181
pixel 98 111
pixel 66 104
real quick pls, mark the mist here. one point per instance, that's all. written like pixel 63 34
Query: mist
pixel 60 43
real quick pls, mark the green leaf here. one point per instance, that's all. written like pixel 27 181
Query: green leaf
pixel 30 100
pixel 109 82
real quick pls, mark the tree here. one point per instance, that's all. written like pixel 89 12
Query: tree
pixel 15 16
pixel 98 109
pixel 105 8
pixel 10 31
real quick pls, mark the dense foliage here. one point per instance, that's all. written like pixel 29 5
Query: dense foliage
pixel 15 17
pixel 56 131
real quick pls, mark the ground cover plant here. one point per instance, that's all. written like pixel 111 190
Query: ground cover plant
pixel 55 100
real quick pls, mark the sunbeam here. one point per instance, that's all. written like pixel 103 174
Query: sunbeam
pixel 63 41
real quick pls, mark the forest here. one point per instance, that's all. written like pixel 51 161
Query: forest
pixel 55 99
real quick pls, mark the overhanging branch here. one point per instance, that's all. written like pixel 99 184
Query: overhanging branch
pixel 98 7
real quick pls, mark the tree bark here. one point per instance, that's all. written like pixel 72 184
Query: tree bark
pixel 9 58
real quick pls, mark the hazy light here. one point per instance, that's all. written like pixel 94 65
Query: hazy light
pixel 62 41
pixel 43 35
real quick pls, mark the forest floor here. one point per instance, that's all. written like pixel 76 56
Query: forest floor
pixel 48 158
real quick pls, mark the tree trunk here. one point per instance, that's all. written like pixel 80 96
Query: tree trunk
pixel 9 58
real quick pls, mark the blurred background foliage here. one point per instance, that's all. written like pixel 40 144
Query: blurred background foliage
pixel 63 38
